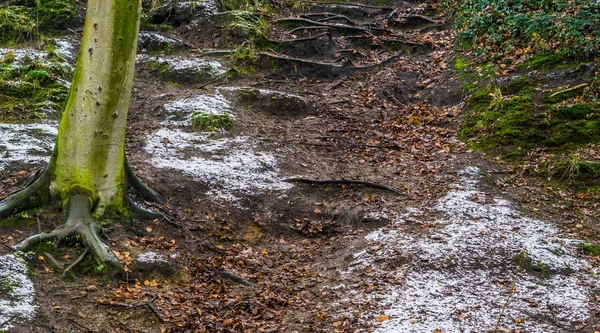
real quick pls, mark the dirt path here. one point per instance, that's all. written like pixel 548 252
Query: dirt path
pixel 350 92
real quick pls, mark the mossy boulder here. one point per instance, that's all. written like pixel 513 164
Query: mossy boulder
pixel 31 88
pixel 517 123
pixel 56 14
pixel 16 25
pixel 272 102
pixel 177 13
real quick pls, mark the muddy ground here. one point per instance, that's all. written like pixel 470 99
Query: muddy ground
pixel 468 246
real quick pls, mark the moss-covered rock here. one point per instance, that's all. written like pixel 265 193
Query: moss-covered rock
pixel 56 14
pixel 31 88
pixel 514 125
pixel 16 25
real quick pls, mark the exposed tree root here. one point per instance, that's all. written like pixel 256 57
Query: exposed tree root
pixel 144 213
pixel 236 278
pixel 300 40
pixel 349 4
pixel 148 193
pixel 331 69
pixel 335 26
pixel 328 17
pixel 27 197
pixel 58 267
pixel 79 223
pixel 343 181
pixel 75 263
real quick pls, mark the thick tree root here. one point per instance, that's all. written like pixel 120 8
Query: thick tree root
pixel 144 213
pixel 81 223
pixel 148 193
pixel 27 197
pixel 342 182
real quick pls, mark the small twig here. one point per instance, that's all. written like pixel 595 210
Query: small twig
pixel 148 304
pixel 344 101
pixel 579 86
pixel 79 326
pixel 299 40
pixel 389 16
pixel 212 81
pixel 75 263
pixel 339 83
pixel 343 181
pixel 337 17
pixel 422 18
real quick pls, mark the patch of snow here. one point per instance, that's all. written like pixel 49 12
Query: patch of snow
pixel 157 37
pixel 214 68
pixel 26 142
pixel 460 275
pixel 231 167
pixel 180 111
pixel 67 48
pixel 40 56
pixel 265 93
pixel 151 257
pixel 16 291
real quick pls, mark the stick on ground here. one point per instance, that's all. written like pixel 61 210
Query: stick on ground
pixel 343 181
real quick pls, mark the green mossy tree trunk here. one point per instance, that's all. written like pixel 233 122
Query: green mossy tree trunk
pixel 90 148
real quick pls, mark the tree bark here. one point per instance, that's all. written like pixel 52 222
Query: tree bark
pixel 90 148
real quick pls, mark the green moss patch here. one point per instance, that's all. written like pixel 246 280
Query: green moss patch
pixel 16 25
pixel 590 248
pixel 514 125
pixel 56 14
pixel 211 122
pixel 31 88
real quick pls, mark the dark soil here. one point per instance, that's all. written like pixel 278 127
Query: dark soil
pixel 393 124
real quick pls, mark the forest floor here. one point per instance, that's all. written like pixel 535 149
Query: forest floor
pixel 466 244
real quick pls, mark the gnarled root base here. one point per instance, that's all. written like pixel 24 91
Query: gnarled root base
pixel 79 220
pixel 81 223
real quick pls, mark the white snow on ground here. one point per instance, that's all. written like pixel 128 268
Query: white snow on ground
pixel 230 166
pixel 186 66
pixel 16 291
pixel 67 48
pixel 180 111
pixel 461 273
pixel 26 143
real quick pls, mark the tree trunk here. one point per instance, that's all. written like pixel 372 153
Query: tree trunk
pixel 90 148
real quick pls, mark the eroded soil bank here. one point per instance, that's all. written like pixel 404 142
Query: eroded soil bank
pixel 470 246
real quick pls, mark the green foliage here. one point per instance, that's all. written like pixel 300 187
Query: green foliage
pixel 244 60
pixel 55 14
pixel 512 126
pixel 590 248
pixel 249 26
pixel 211 122
pixel 494 28
pixel 242 5
pixel 16 25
